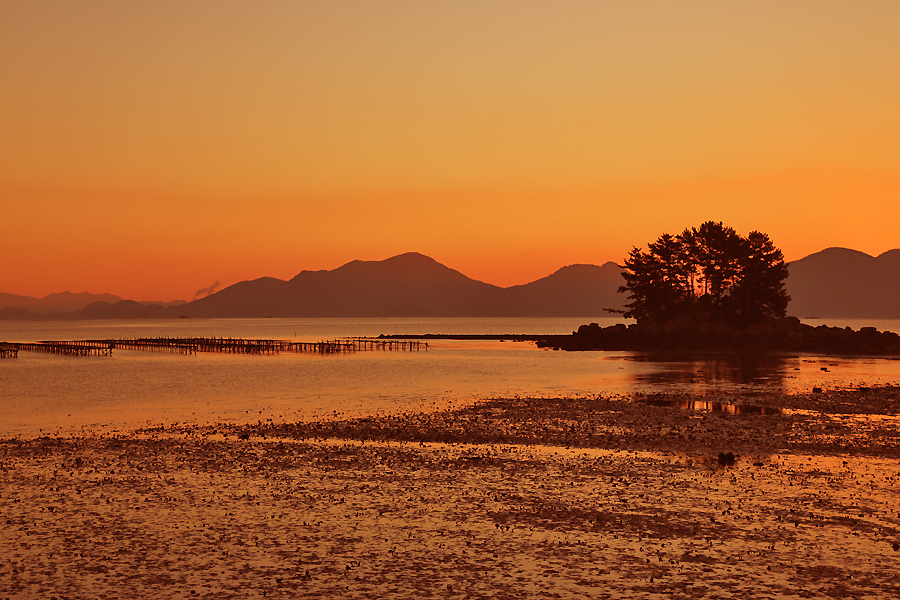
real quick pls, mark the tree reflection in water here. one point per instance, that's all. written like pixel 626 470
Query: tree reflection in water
pixel 708 405
pixel 724 369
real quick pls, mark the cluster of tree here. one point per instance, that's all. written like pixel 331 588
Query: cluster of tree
pixel 708 271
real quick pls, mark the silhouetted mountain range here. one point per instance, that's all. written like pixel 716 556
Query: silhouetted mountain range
pixel 832 283
pixel 66 305
pixel 838 282
pixel 413 285
pixel 55 303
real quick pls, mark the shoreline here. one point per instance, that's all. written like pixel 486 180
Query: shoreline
pixel 760 422
pixel 704 334
pixel 471 502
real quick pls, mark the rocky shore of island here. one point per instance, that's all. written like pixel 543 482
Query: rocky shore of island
pixel 691 334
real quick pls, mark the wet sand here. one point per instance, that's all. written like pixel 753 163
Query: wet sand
pixel 607 497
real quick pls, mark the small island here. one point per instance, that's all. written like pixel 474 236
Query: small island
pixel 709 289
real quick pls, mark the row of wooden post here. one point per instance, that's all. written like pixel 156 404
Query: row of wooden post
pixel 64 348
pixel 195 345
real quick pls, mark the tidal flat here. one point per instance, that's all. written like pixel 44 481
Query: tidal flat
pixel 623 496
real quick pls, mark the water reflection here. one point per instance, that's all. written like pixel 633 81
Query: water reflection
pixel 707 405
pixel 705 369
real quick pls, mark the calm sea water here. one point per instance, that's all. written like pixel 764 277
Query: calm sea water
pixel 41 393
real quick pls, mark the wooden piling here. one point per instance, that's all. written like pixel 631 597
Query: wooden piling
pixel 68 348
pixel 221 345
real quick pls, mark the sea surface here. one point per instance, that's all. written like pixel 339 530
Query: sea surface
pixel 47 394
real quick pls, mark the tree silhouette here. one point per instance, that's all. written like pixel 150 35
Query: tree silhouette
pixel 708 271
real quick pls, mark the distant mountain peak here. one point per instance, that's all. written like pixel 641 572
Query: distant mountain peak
pixel 411 256
pixel 408 260
pixel 576 267
pixel 407 266
pixel 840 282
pixel 836 251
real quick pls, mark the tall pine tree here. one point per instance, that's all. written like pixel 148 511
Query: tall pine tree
pixel 707 271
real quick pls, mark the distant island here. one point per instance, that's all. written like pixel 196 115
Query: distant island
pixel 710 289
pixel 833 283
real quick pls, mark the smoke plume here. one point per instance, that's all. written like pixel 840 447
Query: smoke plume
pixel 208 290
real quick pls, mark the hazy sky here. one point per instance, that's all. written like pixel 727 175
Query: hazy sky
pixel 150 148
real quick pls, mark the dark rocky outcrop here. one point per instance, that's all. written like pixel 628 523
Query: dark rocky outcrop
pixel 706 335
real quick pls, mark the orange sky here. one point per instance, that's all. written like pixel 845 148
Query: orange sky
pixel 150 148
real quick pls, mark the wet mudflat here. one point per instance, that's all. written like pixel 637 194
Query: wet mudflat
pixel 608 497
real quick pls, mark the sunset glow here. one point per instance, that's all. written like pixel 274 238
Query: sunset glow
pixel 151 148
